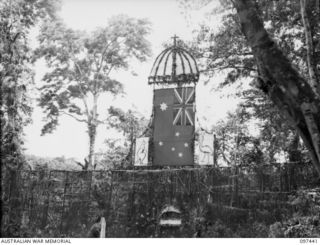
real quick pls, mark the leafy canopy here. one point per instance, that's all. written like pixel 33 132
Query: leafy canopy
pixel 226 50
pixel 16 75
pixel 81 63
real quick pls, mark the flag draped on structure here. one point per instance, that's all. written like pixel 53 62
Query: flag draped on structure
pixel 206 148
pixel 173 133
pixel 141 151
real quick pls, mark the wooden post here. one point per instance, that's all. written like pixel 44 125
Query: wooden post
pixel 132 145
pixel 87 204
pixel 236 185
pixel 109 205
pixel 231 188
pixel 63 200
pixel 131 210
pixel 214 150
pixel 103 228
pixel 47 203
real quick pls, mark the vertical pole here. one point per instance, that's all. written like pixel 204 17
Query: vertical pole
pixel 133 156
pixel 47 203
pixel 132 146
pixel 214 150
pixel 289 176
pixel 88 201
pixel 109 206
pixel 131 210
pixel 237 185
pixel 103 228
pixel 231 188
pixel 64 197
pixel 174 63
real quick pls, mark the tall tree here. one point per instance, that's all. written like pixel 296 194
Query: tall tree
pixel 288 89
pixel 272 137
pixel 16 20
pixel 256 55
pixel 233 138
pixel 17 17
pixel 310 13
pixel 80 67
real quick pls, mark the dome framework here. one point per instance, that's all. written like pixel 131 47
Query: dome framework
pixel 174 65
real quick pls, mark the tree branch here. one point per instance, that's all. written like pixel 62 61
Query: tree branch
pixel 81 165
pixel 79 83
pixel 73 116
pixel 103 53
pixel 220 68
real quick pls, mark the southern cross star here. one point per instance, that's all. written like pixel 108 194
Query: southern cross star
pixel 186 144
pixel 180 154
pixel 160 143
pixel 163 106
pixel 177 134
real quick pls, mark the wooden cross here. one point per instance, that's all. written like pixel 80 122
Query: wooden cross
pixel 175 37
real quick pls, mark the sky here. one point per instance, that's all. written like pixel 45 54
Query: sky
pixel 70 138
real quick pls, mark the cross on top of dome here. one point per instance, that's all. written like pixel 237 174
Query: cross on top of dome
pixel 174 65
pixel 175 37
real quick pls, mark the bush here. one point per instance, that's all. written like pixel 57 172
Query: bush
pixel 305 222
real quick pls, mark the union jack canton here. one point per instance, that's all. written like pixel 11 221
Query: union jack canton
pixel 183 108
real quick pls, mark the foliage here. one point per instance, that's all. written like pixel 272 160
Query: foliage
pixel 299 218
pixel 218 229
pixel 16 20
pixel 256 134
pixel 51 163
pixel 227 50
pixel 132 200
pixel 276 136
pixel 81 65
pixel 305 221
pixel 233 138
pixel 115 155
pixel 17 17
pixel 221 229
pixel 131 125
pixel 128 123
pixel 234 227
pixel 296 97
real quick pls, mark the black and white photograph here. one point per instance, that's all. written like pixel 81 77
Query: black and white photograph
pixel 160 119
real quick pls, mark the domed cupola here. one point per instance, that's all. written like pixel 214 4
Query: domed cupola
pixel 174 65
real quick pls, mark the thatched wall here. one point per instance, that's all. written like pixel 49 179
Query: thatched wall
pixel 67 203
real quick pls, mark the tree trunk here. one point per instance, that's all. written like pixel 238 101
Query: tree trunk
pixel 92 130
pixel 312 67
pixel 293 150
pixel 285 87
pixel 294 158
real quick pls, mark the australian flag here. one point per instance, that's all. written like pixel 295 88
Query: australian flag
pixel 173 134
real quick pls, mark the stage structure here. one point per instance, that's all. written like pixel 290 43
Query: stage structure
pixel 165 190
pixel 174 76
